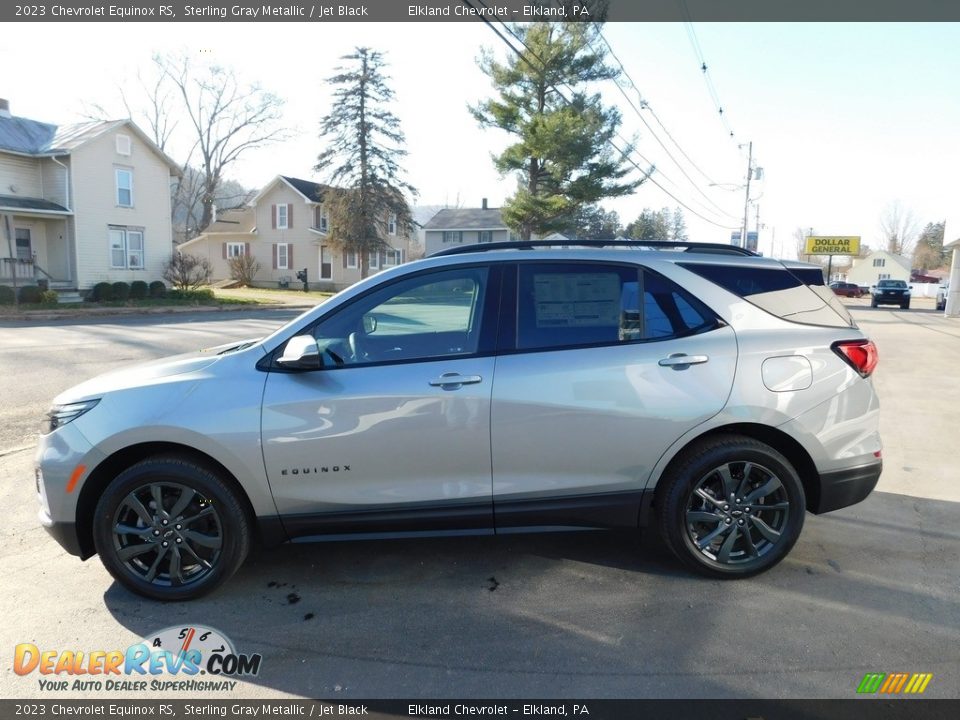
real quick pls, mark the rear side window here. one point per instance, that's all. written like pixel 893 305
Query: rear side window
pixel 580 305
pixel 779 291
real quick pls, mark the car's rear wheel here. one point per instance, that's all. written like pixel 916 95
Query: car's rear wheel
pixel 731 507
pixel 170 529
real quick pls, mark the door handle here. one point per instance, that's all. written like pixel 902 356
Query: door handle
pixel 454 380
pixel 678 361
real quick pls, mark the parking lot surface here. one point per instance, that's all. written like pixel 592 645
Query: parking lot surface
pixel 872 588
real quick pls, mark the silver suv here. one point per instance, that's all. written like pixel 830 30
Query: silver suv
pixel 492 389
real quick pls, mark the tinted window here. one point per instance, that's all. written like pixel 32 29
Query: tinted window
pixel 778 291
pixel 567 305
pixel 428 316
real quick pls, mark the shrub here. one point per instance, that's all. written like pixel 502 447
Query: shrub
pixel 158 289
pixel 138 290
pixel 6 295
pixel 198 296
pixel 243 269
pixel 121 290
pixel 49 297
pixel 30 294
pixel 187 272
pixel 102 292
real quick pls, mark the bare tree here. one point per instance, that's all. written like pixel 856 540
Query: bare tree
pixel 187 272
pixel 226 120
pixel 899 228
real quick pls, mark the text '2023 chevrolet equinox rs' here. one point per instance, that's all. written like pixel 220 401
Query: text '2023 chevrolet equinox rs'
pixel 716 395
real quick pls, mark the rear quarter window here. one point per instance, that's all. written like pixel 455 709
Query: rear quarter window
pixel 789 294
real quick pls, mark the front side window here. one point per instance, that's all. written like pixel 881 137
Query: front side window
pixel 392 224
pixel 452 236
pixel 282 217
pixel 392 257
pixel 236 249
pixel 323 220
pixel 427 317
pixel 485 236
pixel 351 259
pixel 124 187
pixel 373 258
pixel 283 256
pixel 126 248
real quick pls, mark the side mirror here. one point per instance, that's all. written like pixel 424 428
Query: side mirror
pixel 301 353
pixel 369 324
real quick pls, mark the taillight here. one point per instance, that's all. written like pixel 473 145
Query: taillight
pixel 861 355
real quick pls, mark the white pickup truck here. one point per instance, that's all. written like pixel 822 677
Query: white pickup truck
pixel 942 296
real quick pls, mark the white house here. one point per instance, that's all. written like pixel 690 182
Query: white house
pixel 82 204
pixel 879 265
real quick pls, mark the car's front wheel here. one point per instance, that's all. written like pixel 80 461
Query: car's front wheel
pixel 170 529
pixel 731 507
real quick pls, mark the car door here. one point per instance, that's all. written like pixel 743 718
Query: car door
pixel 606 367
pixel 393 432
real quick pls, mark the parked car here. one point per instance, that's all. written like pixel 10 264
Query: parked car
pixel 487 389
pixel 891 292
pixel 846 289
pixel 942 292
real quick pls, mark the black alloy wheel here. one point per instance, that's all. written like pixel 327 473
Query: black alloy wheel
pixel 169 529
pixel 731 507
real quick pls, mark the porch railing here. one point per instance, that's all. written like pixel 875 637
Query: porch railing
pixel 17 268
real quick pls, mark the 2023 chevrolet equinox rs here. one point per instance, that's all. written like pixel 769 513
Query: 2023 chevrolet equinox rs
pixel 489 389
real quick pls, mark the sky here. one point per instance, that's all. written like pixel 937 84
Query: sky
pixel 845 118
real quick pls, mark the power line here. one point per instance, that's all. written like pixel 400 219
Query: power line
pixel 648 174
pixel 646 106
pixel 704 69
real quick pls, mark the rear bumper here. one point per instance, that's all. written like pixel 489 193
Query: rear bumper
pixel 842 488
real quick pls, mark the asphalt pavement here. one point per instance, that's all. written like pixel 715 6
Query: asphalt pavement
pixel 872 588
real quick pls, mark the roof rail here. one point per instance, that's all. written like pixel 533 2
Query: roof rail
pixel 703 247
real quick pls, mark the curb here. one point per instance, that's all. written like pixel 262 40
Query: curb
pixel 162 310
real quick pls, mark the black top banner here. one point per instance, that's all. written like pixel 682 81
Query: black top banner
pixel 477 10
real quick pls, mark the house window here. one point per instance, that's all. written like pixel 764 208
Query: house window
pixel 879 262
pixel 283 255
pixel 24 246
pixel 351 259
pixel 321 219
pixel 392 258
pixel 126 248
pixel 282 216
pixel 123 145
pixel 124 187
pixel 883 276
pixel 485 236
pixel 392 224
pixel 326 266
pixel 236 249
pixel 452 236
pixel 513 237
pixel 374 259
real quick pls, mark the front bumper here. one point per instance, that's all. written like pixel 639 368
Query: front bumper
pixel 842 488
pixel 64 533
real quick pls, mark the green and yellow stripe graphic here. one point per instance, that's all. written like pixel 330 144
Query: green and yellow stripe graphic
pixel 895 683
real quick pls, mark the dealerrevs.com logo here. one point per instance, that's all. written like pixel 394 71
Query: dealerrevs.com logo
pixel 183 653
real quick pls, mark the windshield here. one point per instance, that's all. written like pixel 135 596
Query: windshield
pixel 892 284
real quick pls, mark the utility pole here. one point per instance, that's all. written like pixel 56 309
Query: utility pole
pixel 757 207
pixel 746 199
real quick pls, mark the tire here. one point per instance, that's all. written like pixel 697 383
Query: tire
pixel 873 303
pixel 697 519
pixel 905 306
pixel 156 556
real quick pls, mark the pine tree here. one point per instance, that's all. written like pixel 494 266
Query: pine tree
pixel 361 162
pixel 562 155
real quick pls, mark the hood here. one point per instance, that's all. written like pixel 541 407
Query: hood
pixel 148 372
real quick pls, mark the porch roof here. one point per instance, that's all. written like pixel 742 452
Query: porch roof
pixel 33 206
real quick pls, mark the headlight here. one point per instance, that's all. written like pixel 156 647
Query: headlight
pixel 60 415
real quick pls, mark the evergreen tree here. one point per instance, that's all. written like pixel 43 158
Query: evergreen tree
pixel 561 154
pixel 653 225
pixel 361 162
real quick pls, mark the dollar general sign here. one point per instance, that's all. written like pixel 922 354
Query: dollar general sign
pixel 833 245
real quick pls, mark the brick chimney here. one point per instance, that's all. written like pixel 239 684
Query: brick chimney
pixel 483 204
pixel 4 108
